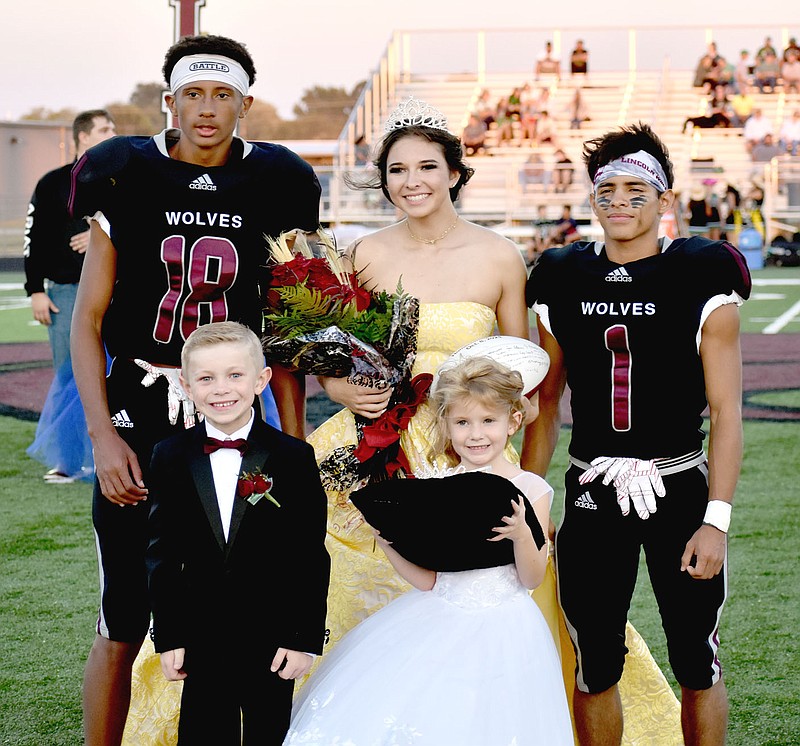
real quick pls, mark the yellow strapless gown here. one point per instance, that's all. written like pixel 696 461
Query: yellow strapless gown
pixel 362 580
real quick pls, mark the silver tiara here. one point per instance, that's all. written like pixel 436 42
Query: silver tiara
pixel 415 112
pixel 433 471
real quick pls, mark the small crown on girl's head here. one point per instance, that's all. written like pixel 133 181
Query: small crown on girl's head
pixel 415 112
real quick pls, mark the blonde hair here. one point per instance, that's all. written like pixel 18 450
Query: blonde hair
pixel 480 379
pixel 222 332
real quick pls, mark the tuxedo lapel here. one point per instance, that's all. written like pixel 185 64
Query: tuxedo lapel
pixel 200 466
pixel 254 459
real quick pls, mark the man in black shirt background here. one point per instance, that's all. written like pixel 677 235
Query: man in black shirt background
pixel 54 246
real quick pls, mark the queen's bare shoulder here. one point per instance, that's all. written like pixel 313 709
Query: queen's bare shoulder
pixel 500 248
pixel 375 246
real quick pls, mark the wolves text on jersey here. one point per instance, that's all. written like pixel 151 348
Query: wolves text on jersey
pixel 602 308
pixel 210 219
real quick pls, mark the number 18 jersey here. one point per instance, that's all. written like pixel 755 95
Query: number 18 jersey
pixel 190 239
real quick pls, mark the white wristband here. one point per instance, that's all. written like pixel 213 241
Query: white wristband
pixel 718 515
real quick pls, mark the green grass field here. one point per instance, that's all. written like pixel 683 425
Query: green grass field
pixel 49 578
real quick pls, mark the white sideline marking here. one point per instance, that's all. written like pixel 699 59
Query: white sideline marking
pixel 782 320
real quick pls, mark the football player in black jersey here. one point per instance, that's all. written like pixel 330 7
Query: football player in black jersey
pixel 645 332
pixel 177 241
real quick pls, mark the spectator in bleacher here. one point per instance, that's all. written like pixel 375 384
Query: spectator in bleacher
pixel 766 150
pixel 718 112
pixel 545 129
pixel 791 47
pixel 706 73
pixel 514 102
pixel 579 59
pixel 529 112
pixel 528 120
pixel 484 108
pixel 789 136
pixel 543 100
pixel 765 49
pixel 790 72
pixel 768 70
pixel 719 98
pixel 563 171
pixel 577 110
pixel 541 233
pixel 565 231
pixel 504 121
pixel 473 136
pixel 742 105
pixel 756 126
pixel 743 73
pixel 533 172
pixel 725 73
pixel 547 63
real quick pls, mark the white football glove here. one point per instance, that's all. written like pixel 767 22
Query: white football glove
pixel 634 480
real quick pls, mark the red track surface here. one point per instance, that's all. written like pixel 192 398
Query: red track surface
pixel 771 362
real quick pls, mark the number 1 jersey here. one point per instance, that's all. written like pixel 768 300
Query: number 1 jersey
pixel 630 336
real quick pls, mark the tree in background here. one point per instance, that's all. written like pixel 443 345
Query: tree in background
pixel 323 110
pixel 43 114
pixel 262 122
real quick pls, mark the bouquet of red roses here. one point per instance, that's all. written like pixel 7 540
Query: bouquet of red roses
pixel 321 321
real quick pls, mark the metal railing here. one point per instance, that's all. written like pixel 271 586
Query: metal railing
pixel 782 194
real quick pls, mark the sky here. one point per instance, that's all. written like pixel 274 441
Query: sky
pixel 89 53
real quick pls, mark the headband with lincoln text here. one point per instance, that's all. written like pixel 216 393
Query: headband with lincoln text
pixel 214 67
pixel 640 165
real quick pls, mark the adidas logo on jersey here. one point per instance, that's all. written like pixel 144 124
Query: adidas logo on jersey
pixel 585 501
pixel 203 182
pixel 619 275
pixel 121 419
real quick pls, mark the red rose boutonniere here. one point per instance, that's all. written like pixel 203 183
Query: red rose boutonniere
pixel 255 485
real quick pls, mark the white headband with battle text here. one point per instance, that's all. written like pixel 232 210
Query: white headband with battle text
pixel 215 67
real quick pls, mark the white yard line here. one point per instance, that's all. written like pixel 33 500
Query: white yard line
pixel 783 320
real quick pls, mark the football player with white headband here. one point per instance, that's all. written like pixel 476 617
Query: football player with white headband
pixel 178 226
pixel 645 332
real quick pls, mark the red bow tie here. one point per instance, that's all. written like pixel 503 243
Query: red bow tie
pixel 213 444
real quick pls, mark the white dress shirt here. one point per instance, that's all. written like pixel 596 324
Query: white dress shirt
pixel 226 463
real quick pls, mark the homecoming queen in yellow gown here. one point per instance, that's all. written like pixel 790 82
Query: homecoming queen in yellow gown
pixel 470 284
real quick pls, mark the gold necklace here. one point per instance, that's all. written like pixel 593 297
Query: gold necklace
pixel 431 241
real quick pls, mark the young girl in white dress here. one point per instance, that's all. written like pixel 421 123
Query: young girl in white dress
pixel 466 657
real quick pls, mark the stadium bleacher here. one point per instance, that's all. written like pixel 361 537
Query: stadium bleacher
pixel 663 98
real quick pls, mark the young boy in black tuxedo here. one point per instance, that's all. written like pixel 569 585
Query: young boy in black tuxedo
pixel 237 567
